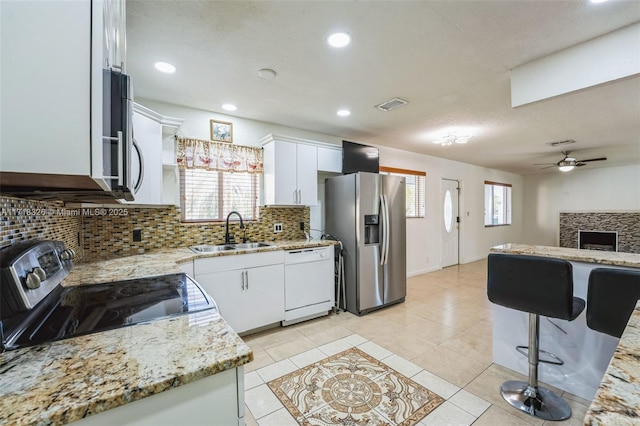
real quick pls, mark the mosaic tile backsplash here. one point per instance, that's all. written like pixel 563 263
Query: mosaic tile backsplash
pixel 99 234
pixel 25 220
pixel 111 236
pixel 627 224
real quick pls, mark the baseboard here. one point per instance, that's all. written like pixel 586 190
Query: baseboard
pixel 473 259
pixel 423 271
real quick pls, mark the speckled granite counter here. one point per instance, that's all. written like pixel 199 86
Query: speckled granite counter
pixel 618 399
pixel 68 380
pixel 587 256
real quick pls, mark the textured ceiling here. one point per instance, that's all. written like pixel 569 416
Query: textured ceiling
pixel 450 59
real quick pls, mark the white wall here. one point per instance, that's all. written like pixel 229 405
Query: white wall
pixel 423 234
pixel 602 189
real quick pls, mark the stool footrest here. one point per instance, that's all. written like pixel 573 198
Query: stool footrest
pixel 536 401
pixel 556 360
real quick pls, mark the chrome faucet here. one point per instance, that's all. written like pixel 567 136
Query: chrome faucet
pixel 227 239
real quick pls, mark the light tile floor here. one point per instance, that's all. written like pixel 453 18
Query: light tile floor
pixel 439 337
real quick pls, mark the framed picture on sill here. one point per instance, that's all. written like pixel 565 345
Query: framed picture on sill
pixel 221 131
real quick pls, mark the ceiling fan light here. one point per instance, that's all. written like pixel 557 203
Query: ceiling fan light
pixel 567 168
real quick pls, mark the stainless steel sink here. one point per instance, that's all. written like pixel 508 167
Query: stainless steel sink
pixel 244 246
pixel 206 248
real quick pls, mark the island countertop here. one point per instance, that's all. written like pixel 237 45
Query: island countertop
pixel 617 401
pixel 63 381
pixel 611 258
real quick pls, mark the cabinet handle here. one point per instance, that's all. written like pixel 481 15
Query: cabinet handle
pixel 299 196
pixel 243 285
pixel 246 274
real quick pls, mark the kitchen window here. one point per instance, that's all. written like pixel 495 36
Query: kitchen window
pixel 497 204
pixel 208 195
pixel 218 178
pixel 415 188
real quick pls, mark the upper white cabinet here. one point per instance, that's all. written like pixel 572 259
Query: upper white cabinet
pixel 290 171
pixel 330 159
pixel 55 56
pixel 153 161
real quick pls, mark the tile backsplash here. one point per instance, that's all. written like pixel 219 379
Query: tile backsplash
pixel 24 220
pixel 97 234
pixel 111 236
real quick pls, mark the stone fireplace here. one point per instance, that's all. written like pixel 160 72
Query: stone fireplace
pixel 598 240
pixel 601 231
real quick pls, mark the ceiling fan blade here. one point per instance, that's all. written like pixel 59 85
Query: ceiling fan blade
pixel 548 167
pixel 543 164
pixel 592 159
pixel 580 164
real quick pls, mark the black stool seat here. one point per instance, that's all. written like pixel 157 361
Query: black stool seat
pixel 534 284
pixel 612 296
pixel 539 286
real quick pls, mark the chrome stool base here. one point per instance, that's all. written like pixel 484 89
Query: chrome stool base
pixel 538 402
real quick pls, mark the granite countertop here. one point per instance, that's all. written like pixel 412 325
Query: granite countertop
pixel 60 382
pixel 617 401
pixel 612 258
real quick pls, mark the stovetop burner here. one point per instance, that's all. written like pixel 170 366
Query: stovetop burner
pixel 74 311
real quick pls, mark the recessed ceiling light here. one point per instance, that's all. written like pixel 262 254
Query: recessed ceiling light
pixel 339 39
pixel 165 67
pixel 343 112
pixel 229 107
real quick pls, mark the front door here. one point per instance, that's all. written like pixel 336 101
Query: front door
pixel 449 224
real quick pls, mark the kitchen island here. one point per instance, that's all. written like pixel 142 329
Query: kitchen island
pixel 124 373
pixel 597 367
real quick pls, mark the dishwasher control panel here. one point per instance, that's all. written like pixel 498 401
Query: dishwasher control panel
pixel 307 255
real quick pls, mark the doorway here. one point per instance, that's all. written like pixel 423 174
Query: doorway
pixel 450 224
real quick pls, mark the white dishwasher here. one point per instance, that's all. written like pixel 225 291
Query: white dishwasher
pixel 309 282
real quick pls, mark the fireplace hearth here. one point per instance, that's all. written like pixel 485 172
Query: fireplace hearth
pixel 598 240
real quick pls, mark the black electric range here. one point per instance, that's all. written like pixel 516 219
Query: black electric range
pixel 65 312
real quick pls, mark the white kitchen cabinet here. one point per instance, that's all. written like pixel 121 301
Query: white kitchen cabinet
pixel 216 399
pixel 329 159
pixel 53 55
pixel 248 288
pixel 290 171
pixel 150 129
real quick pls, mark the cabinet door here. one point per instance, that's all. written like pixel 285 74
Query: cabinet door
pixel 285 173
pixel 147 135
pixel 264 297
pixel 307 174
pixel 226 290
pixel 329 160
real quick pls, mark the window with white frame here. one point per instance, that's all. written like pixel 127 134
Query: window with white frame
pixel 497 204
pixel 209 195
pixel 415 189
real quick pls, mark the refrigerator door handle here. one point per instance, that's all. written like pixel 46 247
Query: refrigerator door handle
pixel 383 211
pixel 386 229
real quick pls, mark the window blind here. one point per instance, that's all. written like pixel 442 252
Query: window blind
pixel 415 189
pixel 210 195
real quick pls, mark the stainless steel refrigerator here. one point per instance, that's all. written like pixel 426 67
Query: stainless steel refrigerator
pixel 366 211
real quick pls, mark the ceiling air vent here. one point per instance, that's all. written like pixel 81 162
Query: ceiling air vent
pixel 392 104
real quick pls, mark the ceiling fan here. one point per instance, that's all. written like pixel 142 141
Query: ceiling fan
pixel 568 163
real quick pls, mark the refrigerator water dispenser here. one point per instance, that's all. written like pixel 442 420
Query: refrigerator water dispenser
pixel 371 229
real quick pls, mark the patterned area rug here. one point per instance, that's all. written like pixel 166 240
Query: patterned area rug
pixel 352 388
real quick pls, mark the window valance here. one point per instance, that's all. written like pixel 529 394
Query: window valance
pixel 219 156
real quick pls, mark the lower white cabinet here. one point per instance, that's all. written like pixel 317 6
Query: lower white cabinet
pixel 213 400
pixel 248 289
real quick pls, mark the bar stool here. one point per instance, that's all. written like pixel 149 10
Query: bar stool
pixel 612 296
pixel 539 286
